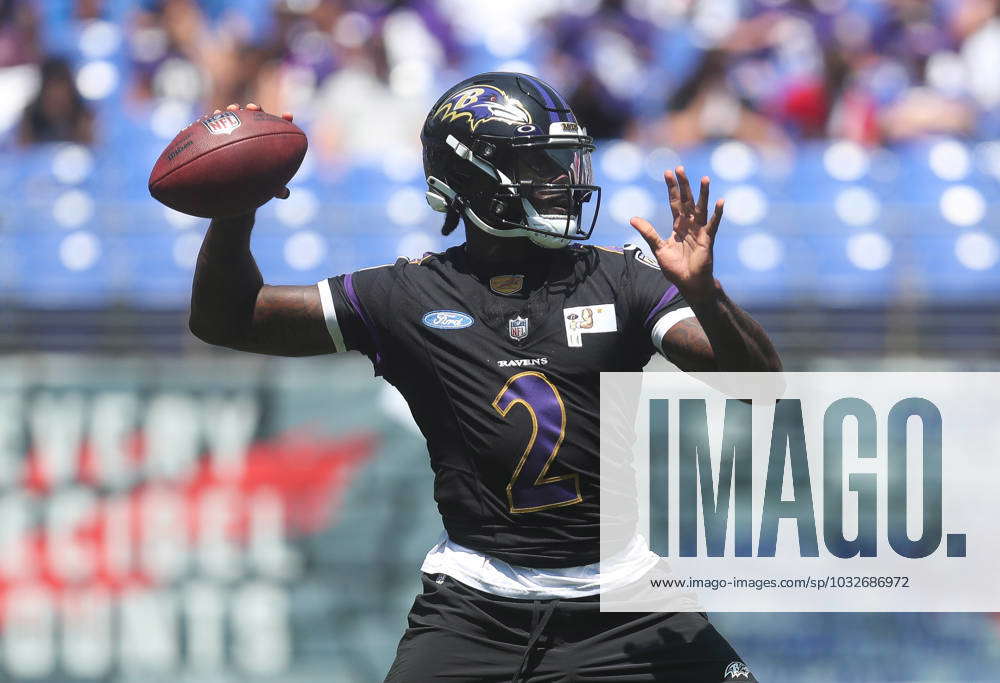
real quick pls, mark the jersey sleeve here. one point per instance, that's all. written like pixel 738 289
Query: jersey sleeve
pixel 356 308
pixel 656 302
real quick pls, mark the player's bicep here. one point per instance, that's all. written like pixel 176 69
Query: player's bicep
pixel 288 321
pixel 681 339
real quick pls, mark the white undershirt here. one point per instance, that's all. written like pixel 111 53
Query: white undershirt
pixel 491 575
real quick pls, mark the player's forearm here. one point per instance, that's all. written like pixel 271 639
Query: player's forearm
pixel 226 284
pixel 738 341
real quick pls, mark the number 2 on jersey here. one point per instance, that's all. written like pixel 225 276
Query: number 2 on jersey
pixel 530 490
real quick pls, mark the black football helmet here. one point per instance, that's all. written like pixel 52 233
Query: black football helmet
pixel 504 151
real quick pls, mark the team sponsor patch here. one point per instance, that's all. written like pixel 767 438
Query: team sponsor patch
pixel 737 671
pixel 507 284
pixel 447 320
pixel 517 328
pixel 581 320
pixel 222 123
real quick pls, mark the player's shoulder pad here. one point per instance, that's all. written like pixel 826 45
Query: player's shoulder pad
pixel 381 265
pixel 419 261
pixel 630 252
pixel 400 262
pixel 636 252
pixel 601 247
pixel 426 258
pixel 600 256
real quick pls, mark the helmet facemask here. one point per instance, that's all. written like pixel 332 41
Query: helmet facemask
pixel 535 186
pixel 555 186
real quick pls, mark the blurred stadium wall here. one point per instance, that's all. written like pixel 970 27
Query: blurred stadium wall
pixel 171 512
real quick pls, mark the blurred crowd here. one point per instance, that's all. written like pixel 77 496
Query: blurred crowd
pixel 360 74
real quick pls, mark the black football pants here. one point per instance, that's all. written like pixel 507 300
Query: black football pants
pixel 457 633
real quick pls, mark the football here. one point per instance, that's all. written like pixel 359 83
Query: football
pixel 227 163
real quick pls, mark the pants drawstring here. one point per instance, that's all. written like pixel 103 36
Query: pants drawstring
pixel 536 633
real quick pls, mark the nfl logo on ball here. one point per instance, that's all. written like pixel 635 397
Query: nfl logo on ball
pixel 518 328
pixel 223 123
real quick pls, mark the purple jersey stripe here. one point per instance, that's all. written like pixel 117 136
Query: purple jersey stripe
pixel 352 297
pixel 664 300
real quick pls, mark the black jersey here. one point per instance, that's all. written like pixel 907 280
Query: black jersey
pixel 501 372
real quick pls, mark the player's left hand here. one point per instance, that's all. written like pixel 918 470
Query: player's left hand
pixel 686 256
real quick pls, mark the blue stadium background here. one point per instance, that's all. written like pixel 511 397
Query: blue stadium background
pixel 855 143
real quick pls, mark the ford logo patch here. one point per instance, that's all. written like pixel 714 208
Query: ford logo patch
pixel 448 320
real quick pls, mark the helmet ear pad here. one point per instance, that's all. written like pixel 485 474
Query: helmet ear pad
pixel 479 188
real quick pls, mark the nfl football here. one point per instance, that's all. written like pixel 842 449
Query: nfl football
pixel 227 163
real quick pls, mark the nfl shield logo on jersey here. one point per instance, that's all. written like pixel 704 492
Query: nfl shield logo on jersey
pixel 517 328
pixel 223 123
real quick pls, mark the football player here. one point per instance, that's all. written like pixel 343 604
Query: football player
pixel 497 345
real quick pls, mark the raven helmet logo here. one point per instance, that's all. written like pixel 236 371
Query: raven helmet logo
pixel 517 328
pixel 223 123
pixel 481 103
pixel 736 671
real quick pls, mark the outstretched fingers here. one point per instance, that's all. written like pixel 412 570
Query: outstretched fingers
pixel 687 199
pixel 713 225
pixel 673 193
pixel 702 213
pixel 648 232
pixel 682 201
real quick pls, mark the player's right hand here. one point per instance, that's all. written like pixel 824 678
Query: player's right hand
pixel 283 193
pixel 686 256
